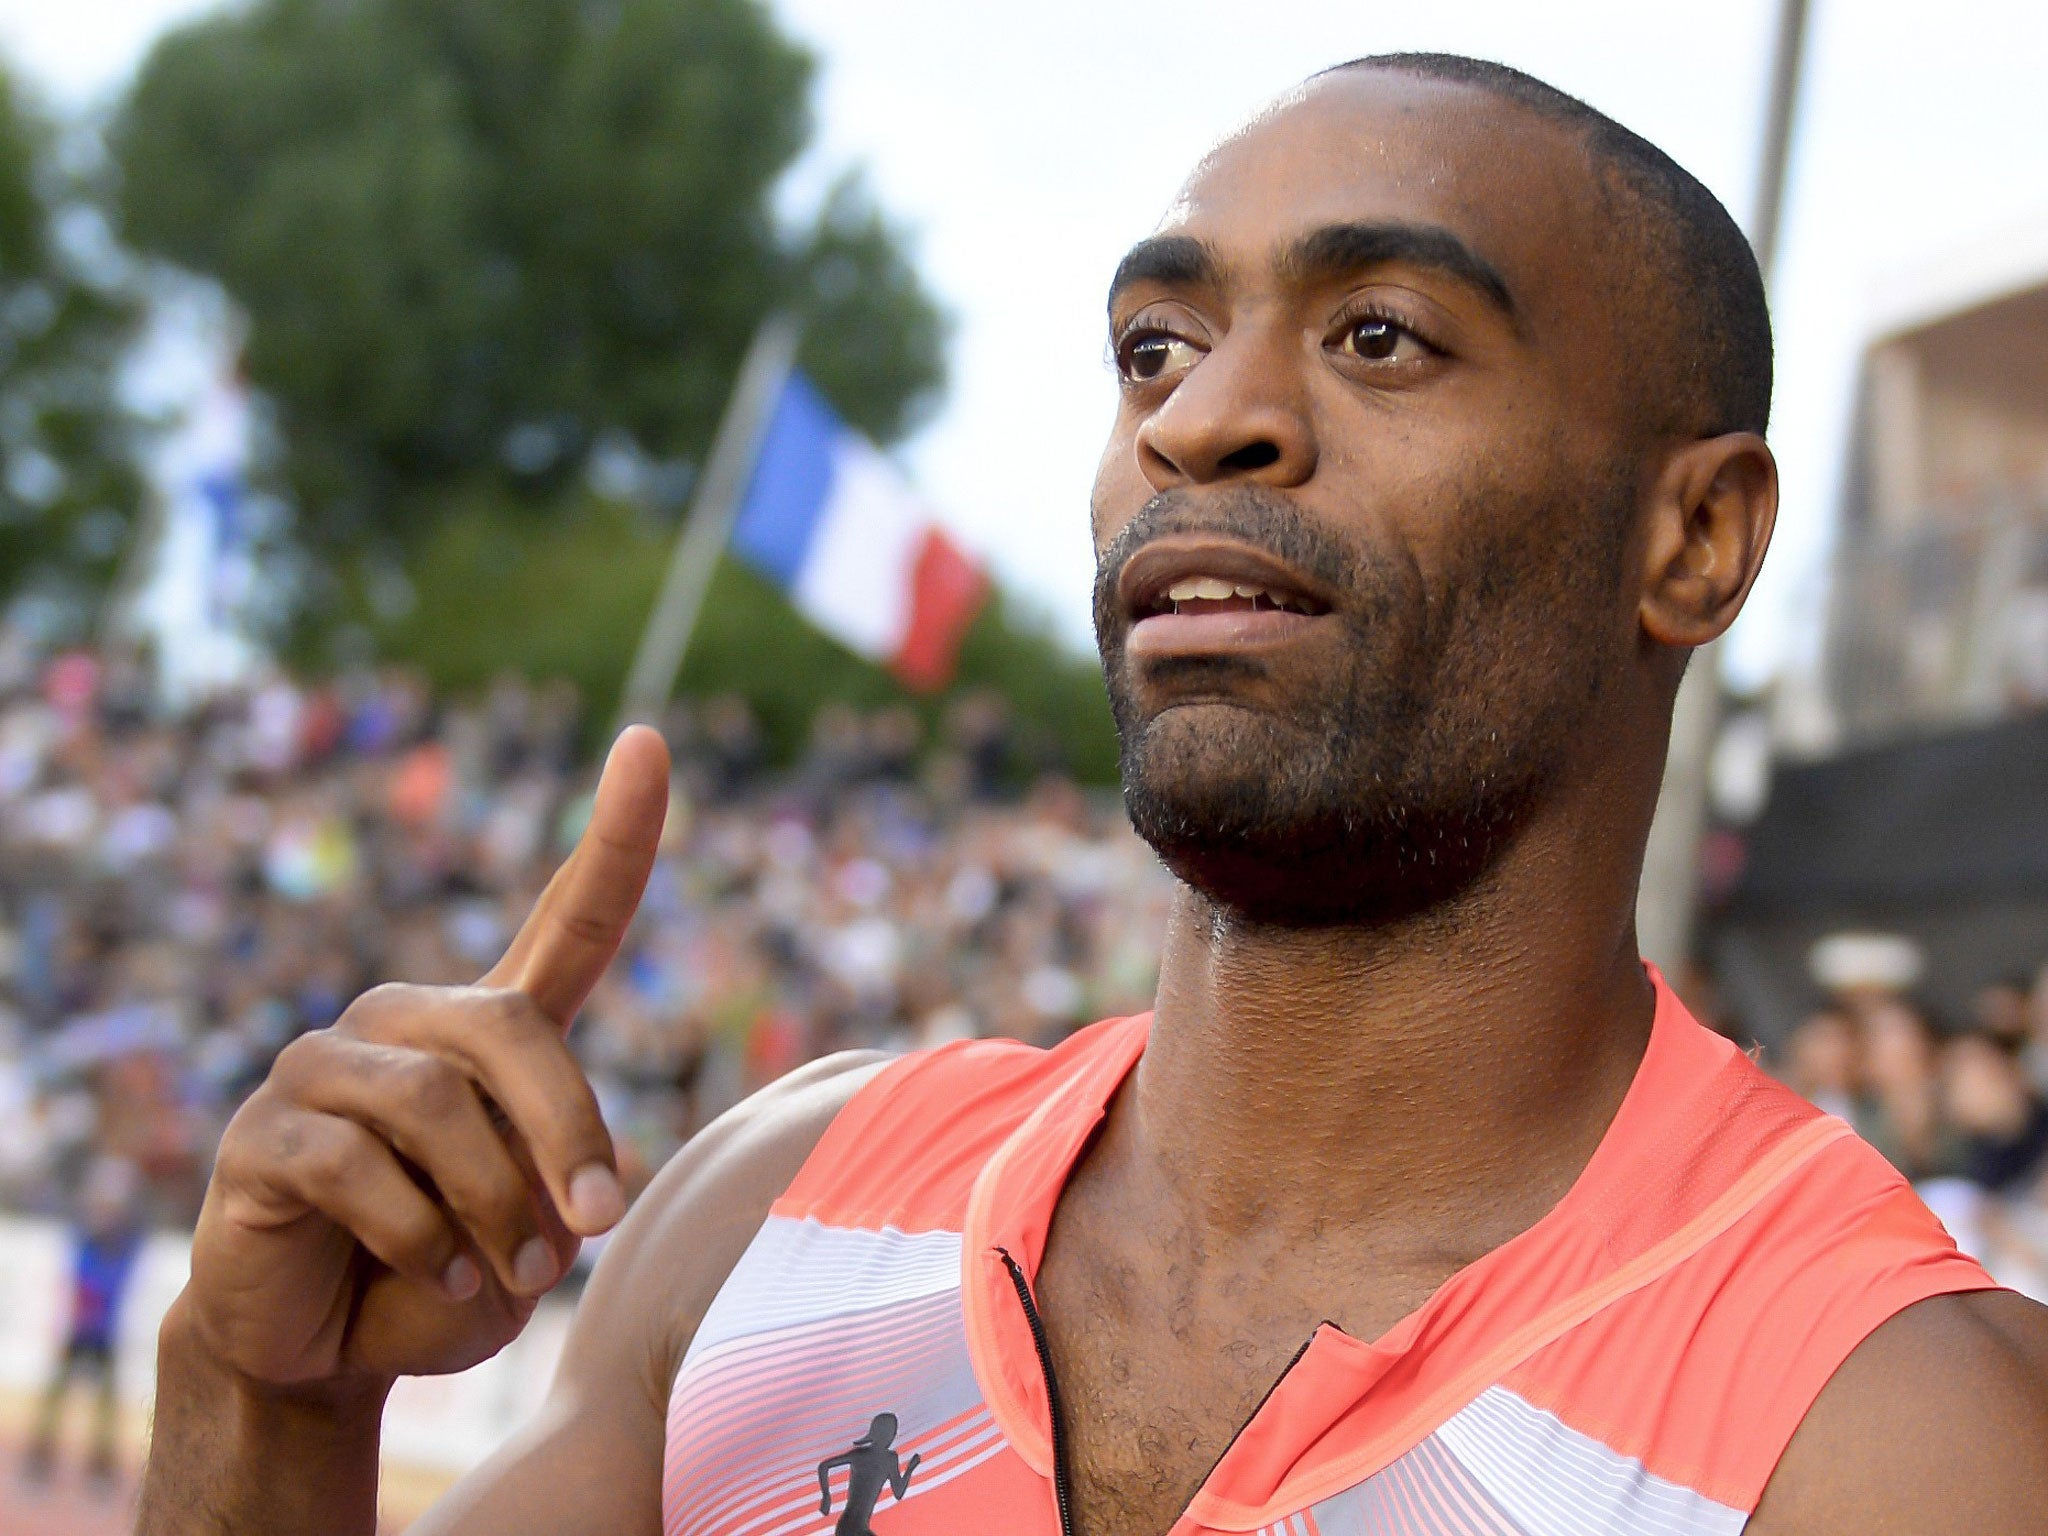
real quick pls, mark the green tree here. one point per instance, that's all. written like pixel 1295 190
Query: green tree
pixel 474 238
pixel 69 487
pixel 581 585
pixel 480 244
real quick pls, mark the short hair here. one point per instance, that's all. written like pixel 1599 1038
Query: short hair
pixel 1719 369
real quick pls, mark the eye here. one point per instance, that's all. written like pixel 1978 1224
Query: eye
pixel 1144 356
pixel 1377 339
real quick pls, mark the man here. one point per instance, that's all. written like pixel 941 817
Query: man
pixel 1418 1206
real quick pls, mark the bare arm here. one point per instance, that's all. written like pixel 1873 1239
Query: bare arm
pixel 1938 1423
pixel 590 1463
pixel 399 1192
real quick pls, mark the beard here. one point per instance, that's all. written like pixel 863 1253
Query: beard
pixel 1394 780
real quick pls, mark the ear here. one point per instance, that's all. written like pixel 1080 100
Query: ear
pixel 1707 524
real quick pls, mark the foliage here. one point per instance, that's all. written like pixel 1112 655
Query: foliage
pixel 69 489
pixel 475 238
pixel 569 600
pixel 480 244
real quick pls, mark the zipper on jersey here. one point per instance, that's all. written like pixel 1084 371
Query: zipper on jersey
pixel 1052 1390
pixel 1286 1371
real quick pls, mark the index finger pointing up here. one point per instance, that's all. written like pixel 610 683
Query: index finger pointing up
pixel 576 927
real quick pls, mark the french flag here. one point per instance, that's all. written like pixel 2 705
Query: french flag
pixel 837 527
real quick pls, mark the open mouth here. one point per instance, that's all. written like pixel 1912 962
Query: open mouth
pixel 1192 594
pixel 1213 594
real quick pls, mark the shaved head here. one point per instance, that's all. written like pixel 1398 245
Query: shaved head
pixel 1698 290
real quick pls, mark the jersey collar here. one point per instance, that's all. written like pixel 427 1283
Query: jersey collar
pixel 1348 1407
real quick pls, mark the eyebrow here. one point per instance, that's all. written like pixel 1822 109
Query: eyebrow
pixel 1333 251
pixel 1337 250
pixel 1173 261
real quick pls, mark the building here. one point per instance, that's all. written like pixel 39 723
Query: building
pixel 1927 813
pixel 1939 608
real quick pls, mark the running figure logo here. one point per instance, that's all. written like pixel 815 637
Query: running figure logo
pixel 870 1464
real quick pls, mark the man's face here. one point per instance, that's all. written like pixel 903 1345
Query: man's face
pixel 1361 523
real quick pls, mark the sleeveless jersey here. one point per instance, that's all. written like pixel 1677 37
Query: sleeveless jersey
pixel 1631 1365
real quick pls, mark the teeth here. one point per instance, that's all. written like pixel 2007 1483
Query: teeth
pixel 1200 587
pixel 1215 588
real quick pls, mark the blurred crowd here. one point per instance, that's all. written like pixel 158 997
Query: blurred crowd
pixel 1961 1110
pixel 182 892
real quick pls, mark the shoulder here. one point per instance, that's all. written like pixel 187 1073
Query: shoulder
pixel 600 1432
pixel 858 1129
pixel 689 1227
pixel 1936 1422
pixel 907 1153
pixel 1772 1246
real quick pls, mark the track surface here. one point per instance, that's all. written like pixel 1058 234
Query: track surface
pixel 64 1506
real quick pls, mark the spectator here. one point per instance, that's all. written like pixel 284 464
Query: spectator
pixel 1821 1062
pixel 2001 1011
pixel 106 1241
pixel 2034 1055
pixel 1965 1120
pixel 185 892
pixel 1901 1116
pixel 2000 1121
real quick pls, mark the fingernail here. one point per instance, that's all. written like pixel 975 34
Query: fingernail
pixel 461 1279
pixel 595 1198
pixel 533 1267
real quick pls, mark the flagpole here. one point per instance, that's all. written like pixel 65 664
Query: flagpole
pixel 1668 899
pixel 770 357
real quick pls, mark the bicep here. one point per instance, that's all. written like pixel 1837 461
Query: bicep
pixel 1937 1423
pixel 590 1462
pixel 582 1467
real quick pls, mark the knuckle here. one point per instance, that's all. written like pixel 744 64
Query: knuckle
pixel 506 1010
pixel 427 1085
pixel 322 1160
pixel 586 929
pixel 381 1003
pixel 241 1208
pixel 233 1162
pixel 299 1059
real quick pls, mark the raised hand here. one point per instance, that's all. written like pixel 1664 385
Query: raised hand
pixel 404 1185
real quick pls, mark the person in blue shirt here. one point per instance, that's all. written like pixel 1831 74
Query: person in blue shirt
pixel 107 1237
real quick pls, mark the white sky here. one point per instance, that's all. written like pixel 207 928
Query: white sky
pixel 1028 146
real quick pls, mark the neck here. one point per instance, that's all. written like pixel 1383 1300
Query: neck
pixel 1459 1067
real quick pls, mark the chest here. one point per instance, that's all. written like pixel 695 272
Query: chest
pixel 1162 1353
pixel 845 1384
pixel 877 1362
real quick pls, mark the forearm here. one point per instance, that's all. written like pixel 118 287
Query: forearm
pixel 230 1458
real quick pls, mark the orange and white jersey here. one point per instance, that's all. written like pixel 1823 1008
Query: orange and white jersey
pixel 1631 1365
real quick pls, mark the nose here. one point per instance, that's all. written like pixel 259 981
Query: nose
pixel 1238 414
